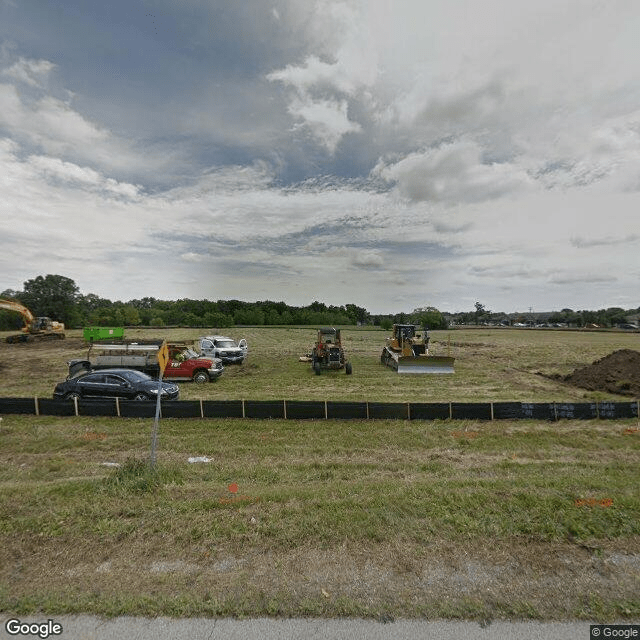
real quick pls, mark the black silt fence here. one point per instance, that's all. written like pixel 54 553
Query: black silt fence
pixel 48 407
pixel 305 410
pixel 389 410
pixel 317 410
pixel 347 410
pixel 617 410
pixel 138 408
pixel 507 410
pixel 223 409
pixel 471 410
pixel 264 409
pixel 430 410
pixel 96 407
pixel 182 409
pixel 18 405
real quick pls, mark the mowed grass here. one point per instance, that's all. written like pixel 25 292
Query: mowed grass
pixel 491 365
pixel 373 518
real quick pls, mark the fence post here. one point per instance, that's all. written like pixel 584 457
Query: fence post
pixel 37 406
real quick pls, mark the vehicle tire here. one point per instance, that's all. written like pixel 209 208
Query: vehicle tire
pixel 348 368
pixel 72 395
pixel 316 368
pixel 140 396
pixel 200 377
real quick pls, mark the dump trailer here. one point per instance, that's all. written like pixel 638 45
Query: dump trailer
pixel 41 328
pixel 407 351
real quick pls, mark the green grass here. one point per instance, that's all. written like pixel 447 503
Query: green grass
pixel 313 496
pixel 491 365
pixel 380 518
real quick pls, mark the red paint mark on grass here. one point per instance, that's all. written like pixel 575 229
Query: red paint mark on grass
pixel 593 502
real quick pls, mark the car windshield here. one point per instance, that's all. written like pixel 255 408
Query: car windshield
pixel 226 344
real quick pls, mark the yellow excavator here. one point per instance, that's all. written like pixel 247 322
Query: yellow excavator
pixel 407 351
pixel 41 328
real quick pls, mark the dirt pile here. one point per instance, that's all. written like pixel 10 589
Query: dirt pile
pixel 619 373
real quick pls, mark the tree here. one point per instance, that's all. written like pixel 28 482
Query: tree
pixel 480 311
pixel 431 318
pixel 54 296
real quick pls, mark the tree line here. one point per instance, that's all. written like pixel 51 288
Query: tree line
pixel 59 298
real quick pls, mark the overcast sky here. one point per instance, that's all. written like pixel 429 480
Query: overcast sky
pixel 386 153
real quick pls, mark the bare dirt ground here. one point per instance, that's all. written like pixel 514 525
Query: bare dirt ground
pixel 619 373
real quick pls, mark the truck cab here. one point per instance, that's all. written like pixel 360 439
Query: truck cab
pixel 223 347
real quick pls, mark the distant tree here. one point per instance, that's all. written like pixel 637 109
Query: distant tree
pixel 386 323
pixel 54 296
pixel 480 312
pixel 357 314
pixel 431 319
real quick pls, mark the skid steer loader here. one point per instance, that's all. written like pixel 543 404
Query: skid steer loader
pixel 407 351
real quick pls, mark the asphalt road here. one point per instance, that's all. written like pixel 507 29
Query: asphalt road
pixel 85 627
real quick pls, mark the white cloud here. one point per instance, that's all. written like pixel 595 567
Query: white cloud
pixel 31 72
pixel 327 120
pixel 453 173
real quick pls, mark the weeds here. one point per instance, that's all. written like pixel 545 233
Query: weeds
pixel 138 476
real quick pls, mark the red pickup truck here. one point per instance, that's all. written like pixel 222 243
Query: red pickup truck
pixel 184 363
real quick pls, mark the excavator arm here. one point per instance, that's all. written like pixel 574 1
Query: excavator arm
pixel 12 305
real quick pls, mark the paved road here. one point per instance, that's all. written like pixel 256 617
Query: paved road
pixel 93 628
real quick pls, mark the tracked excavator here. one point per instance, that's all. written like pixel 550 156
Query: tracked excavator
pixel 41 328
pixel 407 351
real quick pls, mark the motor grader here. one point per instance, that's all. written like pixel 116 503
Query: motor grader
pixel 407 351
pixel 328 353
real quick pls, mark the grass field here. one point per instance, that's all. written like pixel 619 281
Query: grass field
pixel 491 365
pixel 380 519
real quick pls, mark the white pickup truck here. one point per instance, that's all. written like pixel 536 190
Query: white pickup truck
pixel 223 347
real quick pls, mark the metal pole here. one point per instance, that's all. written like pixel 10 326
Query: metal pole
pixel 154 430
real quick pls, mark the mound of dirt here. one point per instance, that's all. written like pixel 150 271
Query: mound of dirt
pixel 619 373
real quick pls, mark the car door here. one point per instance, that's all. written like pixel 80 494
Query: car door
pixel 206 347
pixel 116 386
pixel 93 386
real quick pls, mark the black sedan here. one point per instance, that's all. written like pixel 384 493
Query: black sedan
pixel 115 383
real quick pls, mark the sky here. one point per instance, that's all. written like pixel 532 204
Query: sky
pixel 391 154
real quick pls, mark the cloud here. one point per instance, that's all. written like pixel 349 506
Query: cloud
pixel 56 170
pixel 609 241
pixel 453 173
pixel 30 72
pixel 326 120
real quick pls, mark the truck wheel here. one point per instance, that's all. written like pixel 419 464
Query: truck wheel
pixel 201 377
pixel 316 368
pixel 348 368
